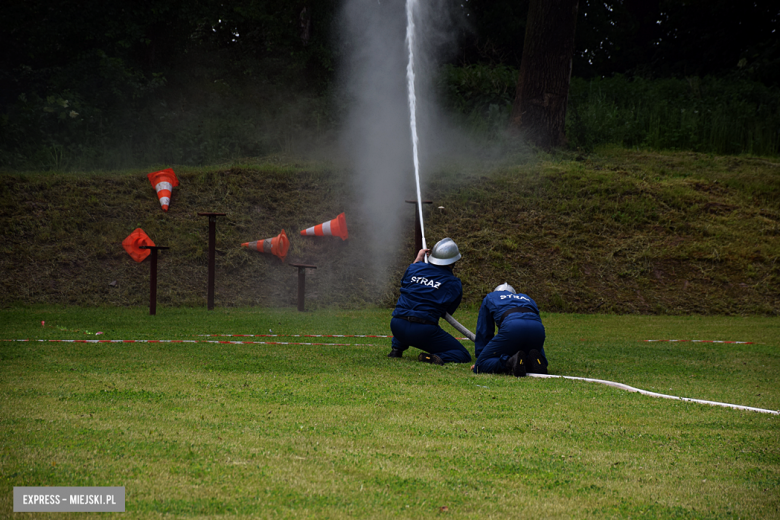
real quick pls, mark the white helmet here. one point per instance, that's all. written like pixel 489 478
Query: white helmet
pixel 505 287
pixel 445 252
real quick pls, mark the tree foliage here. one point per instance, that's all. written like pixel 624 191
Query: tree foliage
pixel 657 38
pixel 677 38
pixel 86 74
pixel 114 51
pixel 81 75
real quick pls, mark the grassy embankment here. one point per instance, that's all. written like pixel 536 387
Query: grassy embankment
pixel 250 430
pixel 614 232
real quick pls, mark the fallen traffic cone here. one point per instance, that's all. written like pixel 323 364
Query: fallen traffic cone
pixel 334 228
pixel 163 183
pixel 277 245
pixel 133 241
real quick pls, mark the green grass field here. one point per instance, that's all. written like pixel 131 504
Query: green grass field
pixel 326 431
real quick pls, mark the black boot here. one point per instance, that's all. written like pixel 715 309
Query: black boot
pixel 396 353
pixel 537 364
pixel 516 364
pixel 430 358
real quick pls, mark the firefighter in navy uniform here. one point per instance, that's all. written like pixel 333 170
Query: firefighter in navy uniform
pixel 518 347
pixel 428 292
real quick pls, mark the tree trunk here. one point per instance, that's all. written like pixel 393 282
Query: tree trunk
pixel 539 110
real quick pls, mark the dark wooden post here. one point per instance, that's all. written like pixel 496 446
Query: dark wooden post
pixel 153 278
pixel 212 249
pixel 417 228
pixel 302 283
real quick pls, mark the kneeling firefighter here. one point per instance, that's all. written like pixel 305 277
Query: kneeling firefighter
pixel 518 347
pixel 428 292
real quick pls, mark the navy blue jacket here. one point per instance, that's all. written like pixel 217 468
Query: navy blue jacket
pixel 493 307
pixel 428 292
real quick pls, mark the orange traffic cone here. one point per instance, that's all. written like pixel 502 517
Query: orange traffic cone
pixel 334 228
pixel 277 245
pixel 163 183
pixel 133 241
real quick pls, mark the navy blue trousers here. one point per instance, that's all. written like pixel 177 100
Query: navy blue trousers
pixel 514 335
pixel 430 338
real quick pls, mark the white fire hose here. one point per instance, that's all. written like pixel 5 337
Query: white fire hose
pixel 463 330
pixel 654 394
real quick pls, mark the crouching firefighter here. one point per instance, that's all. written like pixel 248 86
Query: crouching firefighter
pixel 518 348
pixel 428 292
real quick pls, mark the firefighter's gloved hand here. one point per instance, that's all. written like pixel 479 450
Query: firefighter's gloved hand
pixel 421 255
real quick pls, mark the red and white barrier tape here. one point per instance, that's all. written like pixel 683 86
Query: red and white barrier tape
pixel 293 336
pixel 696 341
pixel 191 341
pixel 299 336
pixel 654 394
